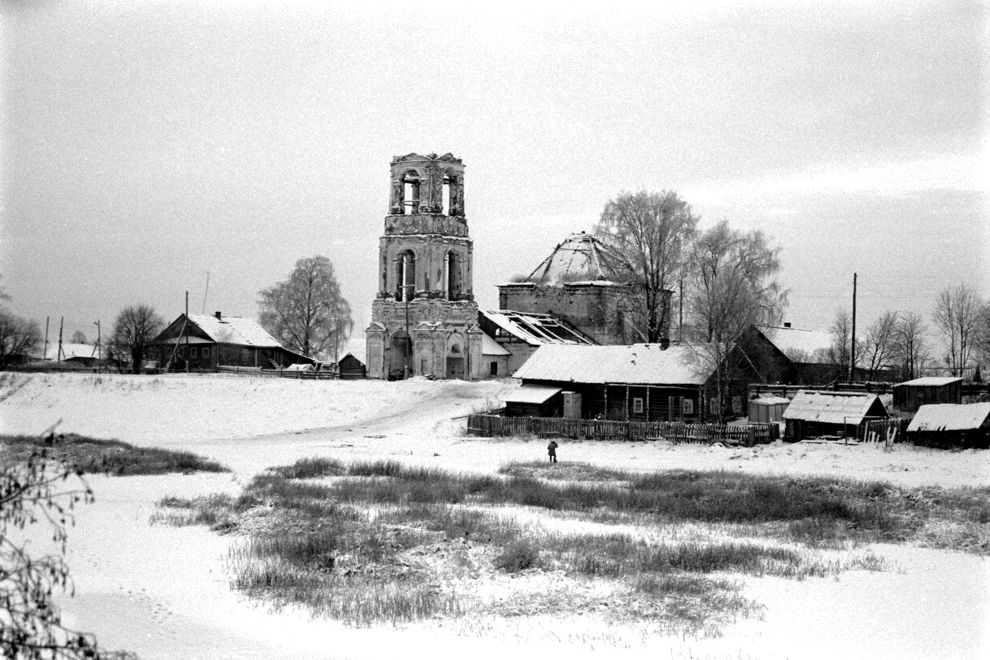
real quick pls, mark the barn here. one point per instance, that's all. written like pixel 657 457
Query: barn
pixel 951 425
pixel 813 413
pixel 639 382
pixel 912 394
pixel 351 368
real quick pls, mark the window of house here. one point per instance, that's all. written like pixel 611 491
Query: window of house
pixel 182 352
pixel 493 369
pixel 737 405
pixel 637 405
pixel 687 406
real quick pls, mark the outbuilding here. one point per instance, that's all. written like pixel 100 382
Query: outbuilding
pixel 767 409
pixel 912 394
pixel 351 368
pixel 951 425
pixel 814 413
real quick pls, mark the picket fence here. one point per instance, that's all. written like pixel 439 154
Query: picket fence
pixel 600 429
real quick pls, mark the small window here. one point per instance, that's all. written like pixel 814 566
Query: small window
pixel 713 406
pixel 737 405
pixel 493 369
pixel 637 406
pixel 182 352
pixel 206 352
pixel 687 406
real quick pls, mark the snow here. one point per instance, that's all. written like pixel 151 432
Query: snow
pixel 163 593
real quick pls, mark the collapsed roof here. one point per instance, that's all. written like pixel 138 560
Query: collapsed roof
pixel 534 329
pixel 580 257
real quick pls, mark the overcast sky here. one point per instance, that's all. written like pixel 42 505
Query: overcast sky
pixel 145 144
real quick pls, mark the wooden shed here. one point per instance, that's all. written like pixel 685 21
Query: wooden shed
pixel 951 425
pixel 912 394
pixel 814 413
pixel 351 368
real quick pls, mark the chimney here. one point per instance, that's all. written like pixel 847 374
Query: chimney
pixel 217 314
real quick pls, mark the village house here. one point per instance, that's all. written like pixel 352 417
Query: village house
pixel 818 413
pixel 206 342
pixel 636 382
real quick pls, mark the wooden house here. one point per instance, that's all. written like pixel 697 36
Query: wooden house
pixel 814 413
pixel 351 368
pixel 206 342
pixel 637 382
pixel 951 425
pixel 912 394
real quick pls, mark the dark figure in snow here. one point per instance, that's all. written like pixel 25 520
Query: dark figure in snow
pixel 552 451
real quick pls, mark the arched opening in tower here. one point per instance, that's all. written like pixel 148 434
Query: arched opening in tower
pixel 452 275
pixel 410 192
pixel 405 276
pixel 445 198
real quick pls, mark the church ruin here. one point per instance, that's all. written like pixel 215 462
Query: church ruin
pixel 424 321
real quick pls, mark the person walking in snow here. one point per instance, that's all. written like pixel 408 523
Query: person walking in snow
pixel 552 451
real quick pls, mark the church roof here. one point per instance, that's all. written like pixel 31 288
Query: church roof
pixel 580 257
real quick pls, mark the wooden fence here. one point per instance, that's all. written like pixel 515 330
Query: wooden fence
pixel 887 431
pixel 599 429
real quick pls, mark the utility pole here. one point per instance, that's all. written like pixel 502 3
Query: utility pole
pixel 99 348
pixel 852 350
pixel 187 336
pixel 680 317
pixel 44 356
pixel 61 324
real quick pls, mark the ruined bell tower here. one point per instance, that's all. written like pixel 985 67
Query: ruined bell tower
pixel 424 321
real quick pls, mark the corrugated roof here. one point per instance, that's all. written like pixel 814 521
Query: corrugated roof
pixel 640 364
pixel 831 407
pixel 234 330
pixel 491 347
pixel 931 381
pixel 950 417
pixel 532 394
pixel 792 341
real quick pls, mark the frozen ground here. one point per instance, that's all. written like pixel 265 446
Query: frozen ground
pixel 162 591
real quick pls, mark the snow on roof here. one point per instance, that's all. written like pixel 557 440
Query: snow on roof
pixel 642 364
pixel 950 417
pixel 931 381
pixel 491 347
pixel 770 400
pixel 532 394
pixel 536 329
pixel 234 330
pixel 70 351
pixel 831 407
pixel 793 341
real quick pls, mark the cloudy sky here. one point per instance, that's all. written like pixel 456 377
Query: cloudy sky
pixel 146 144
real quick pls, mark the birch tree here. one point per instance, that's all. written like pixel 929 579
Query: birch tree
pixel 306 312
pixel 879 344
pixel 956 315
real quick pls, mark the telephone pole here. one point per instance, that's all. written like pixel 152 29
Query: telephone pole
pixel 852 350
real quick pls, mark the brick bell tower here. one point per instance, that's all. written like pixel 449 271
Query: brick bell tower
pixel 424 321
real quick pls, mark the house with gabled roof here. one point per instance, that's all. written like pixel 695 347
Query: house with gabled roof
pixel 951 425
pixel 205 342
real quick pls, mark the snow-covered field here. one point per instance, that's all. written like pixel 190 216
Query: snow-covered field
pixel 162 591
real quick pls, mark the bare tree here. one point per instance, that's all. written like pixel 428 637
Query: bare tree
pixel 733 287
pixel 39 489
pixel 649 233
pixel 136 326
pixel 957 314
pixel 79 337
pixel 19 338
pixel 911 347
pixel 307 312
pixel 880 344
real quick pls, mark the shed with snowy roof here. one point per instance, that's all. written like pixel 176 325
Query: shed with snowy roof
pixel 911 395
pixel 816 413
pixel 951 425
